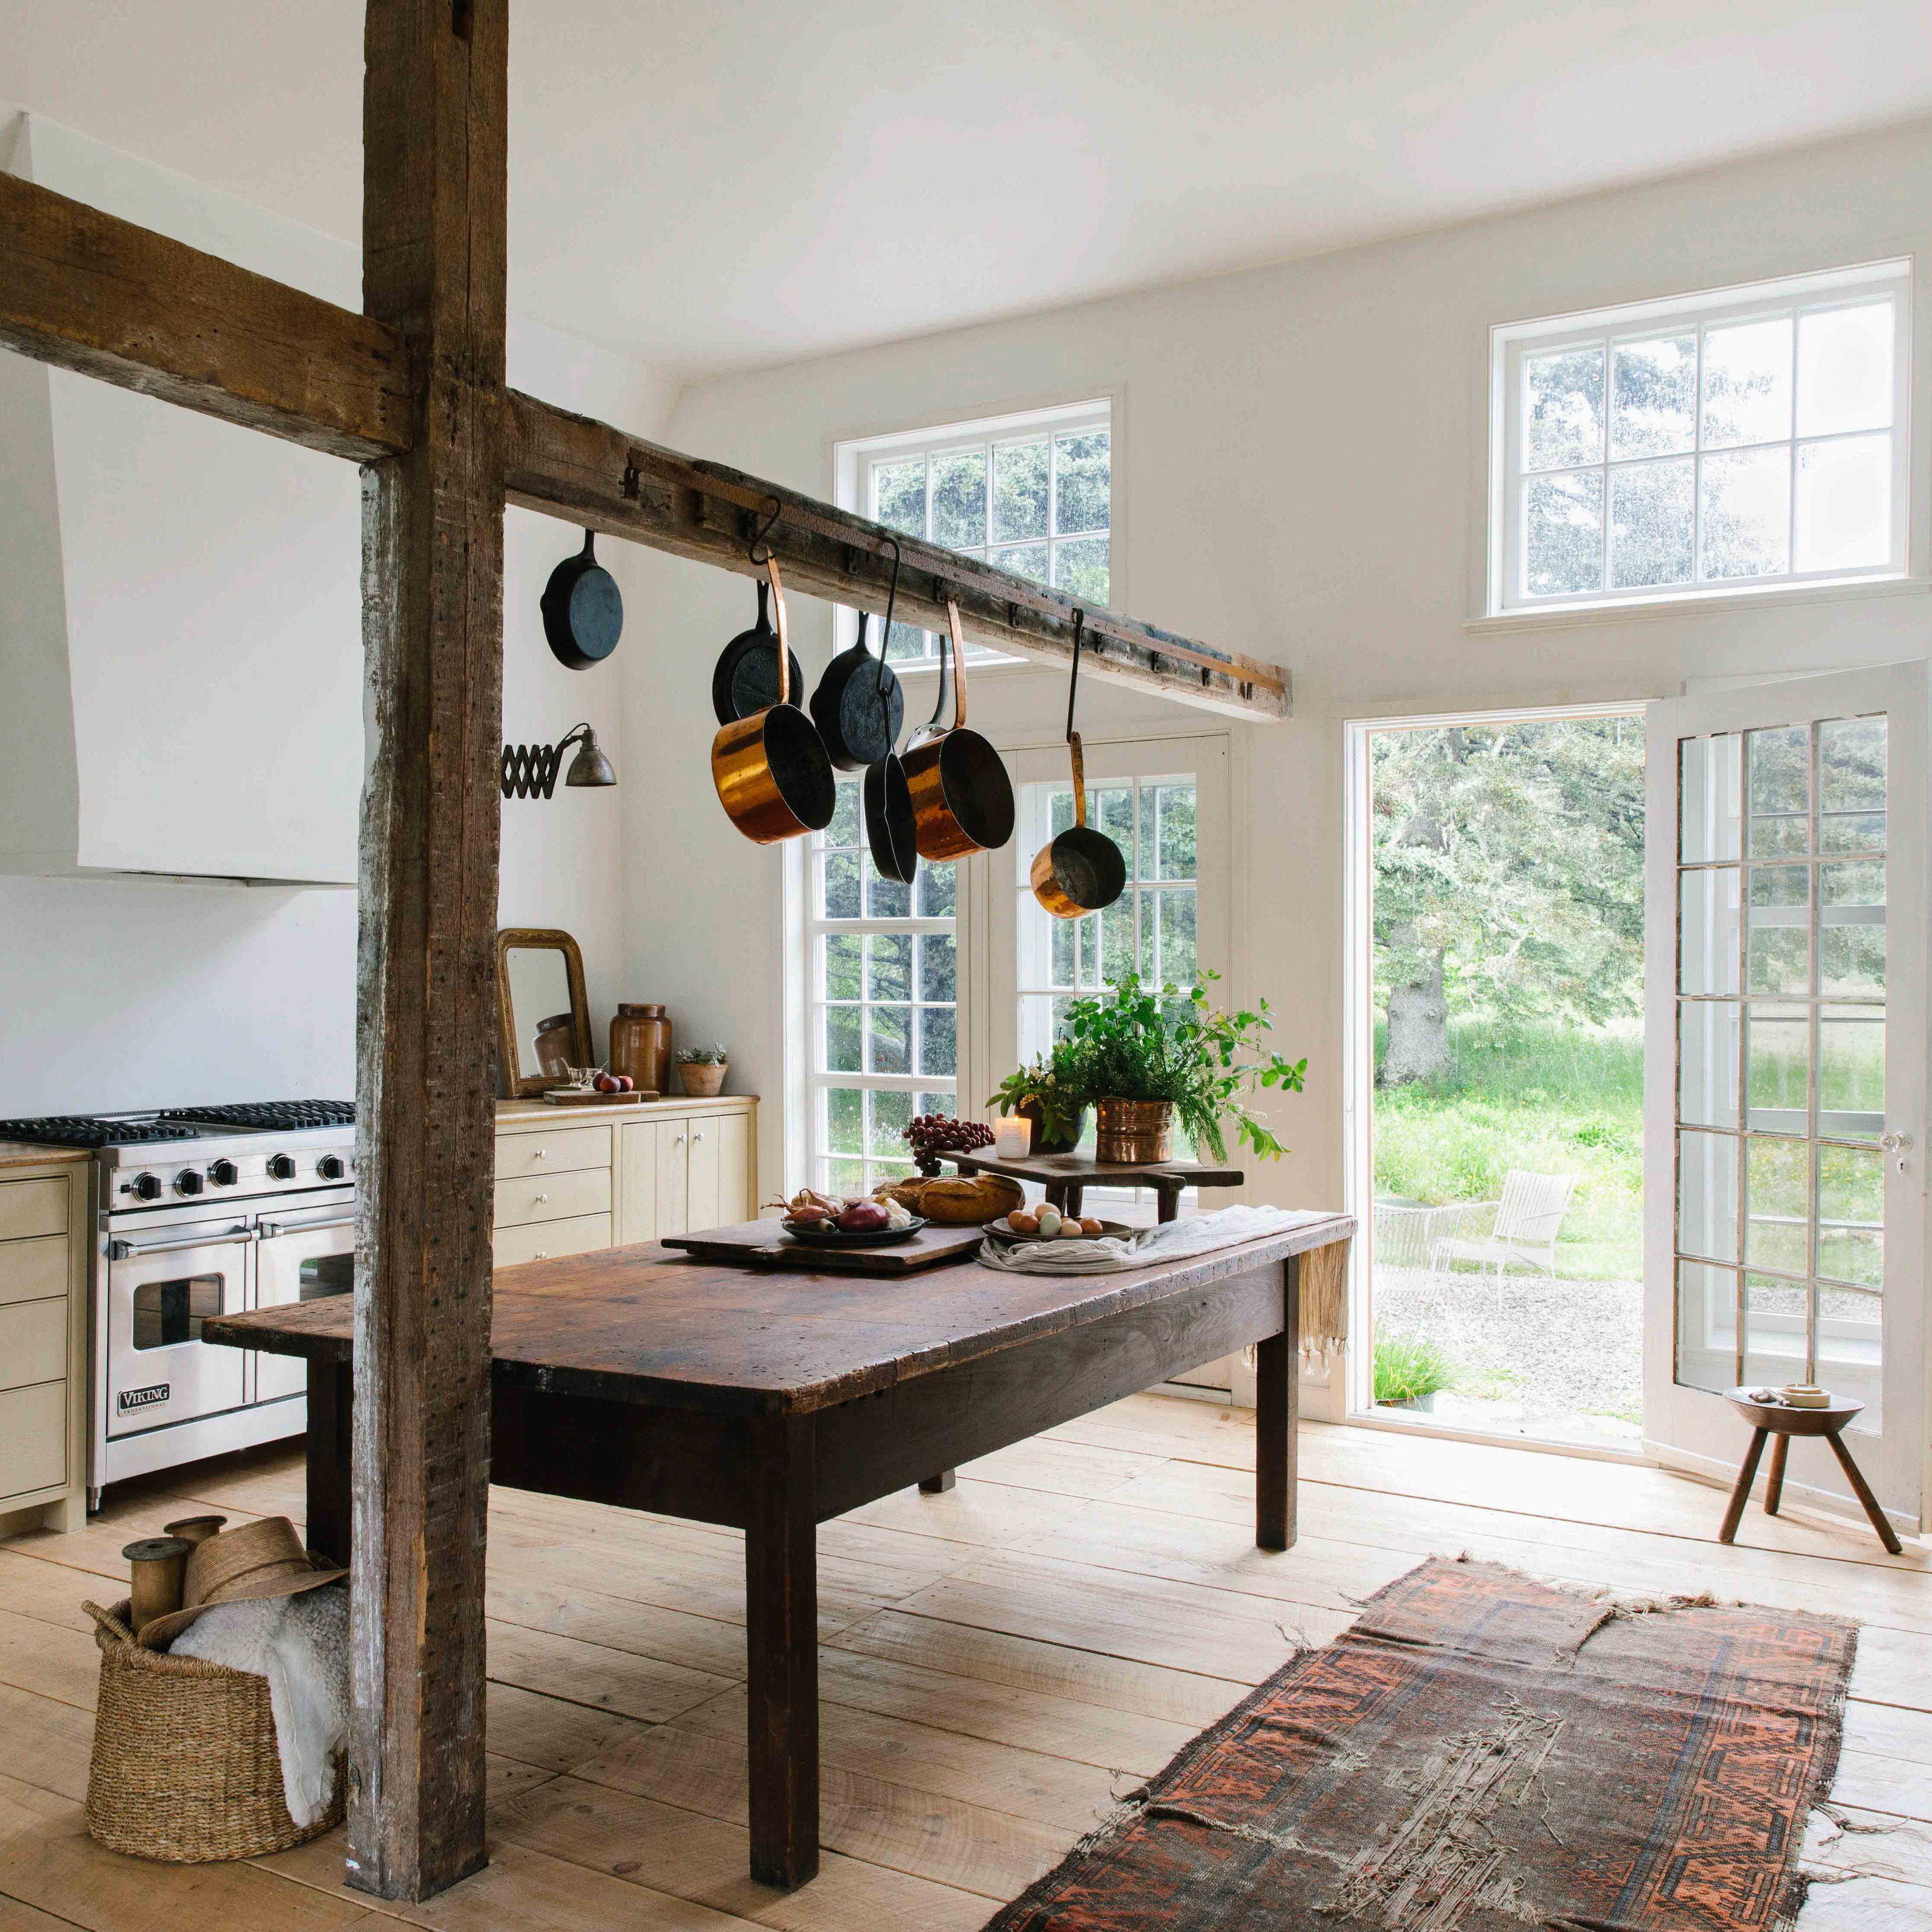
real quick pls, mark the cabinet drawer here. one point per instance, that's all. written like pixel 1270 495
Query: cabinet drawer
pixel 33 1439
pixel 542 1240
pixel 552 1153
pixel 33 1342
pixel 553 1197
pixel 32 1207
pixel 32 1270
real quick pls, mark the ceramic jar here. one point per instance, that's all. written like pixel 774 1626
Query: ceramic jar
pixel 704 1078
pixel 640 1046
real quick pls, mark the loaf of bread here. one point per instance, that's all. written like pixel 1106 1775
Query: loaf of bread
pixel 955 1202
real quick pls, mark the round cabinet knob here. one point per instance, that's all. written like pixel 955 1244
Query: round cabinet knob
pixel 538 1155
pixel 282 1167
pixel 147 1186
pixel 223 1173
pixel 697 1137
pixel 188 1182
pixel 330 1167
pixel 543 1197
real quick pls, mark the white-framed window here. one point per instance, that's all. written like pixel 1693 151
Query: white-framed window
pixel 883 1007
pixel 1032 493
pixel 1746 438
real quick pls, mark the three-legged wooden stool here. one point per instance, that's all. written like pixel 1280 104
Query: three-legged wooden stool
pixel 1784 1421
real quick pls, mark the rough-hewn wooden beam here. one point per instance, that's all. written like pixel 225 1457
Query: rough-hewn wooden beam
pixel 89 292
pixel 571 467
pixel 434 190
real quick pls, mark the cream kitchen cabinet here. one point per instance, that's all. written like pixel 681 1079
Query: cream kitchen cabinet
pixel 43 1339
pixel 570 1181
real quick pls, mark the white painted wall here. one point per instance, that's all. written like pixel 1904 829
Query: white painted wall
pixel 176 555
pixel 1301 476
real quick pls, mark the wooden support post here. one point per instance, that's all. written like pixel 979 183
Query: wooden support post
pixel 434 186
pixel 782 1645
pixel 1277 1416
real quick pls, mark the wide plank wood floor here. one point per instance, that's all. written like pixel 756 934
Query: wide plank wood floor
pixel 997 1664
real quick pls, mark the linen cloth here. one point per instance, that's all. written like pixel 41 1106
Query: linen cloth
pixel 300 1645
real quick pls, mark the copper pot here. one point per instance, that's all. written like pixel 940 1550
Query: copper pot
pixel 1081 870
pixel 1133 1133
pixel 962 797
pixel 773 775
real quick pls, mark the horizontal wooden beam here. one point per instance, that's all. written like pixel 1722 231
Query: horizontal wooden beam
pixel 88 291
pixel 572 466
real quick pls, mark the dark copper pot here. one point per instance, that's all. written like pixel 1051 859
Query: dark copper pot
pixel 1134 1133
pixel 962 797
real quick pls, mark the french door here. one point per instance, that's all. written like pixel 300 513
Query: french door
pixel 1785 1066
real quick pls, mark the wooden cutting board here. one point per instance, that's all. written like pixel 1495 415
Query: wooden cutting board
pixel 760 1244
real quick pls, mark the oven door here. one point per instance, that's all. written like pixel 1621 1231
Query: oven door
pixel 301 1255
pixel 163 1282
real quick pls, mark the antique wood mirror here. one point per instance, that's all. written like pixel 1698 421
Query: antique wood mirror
pixel 543 1020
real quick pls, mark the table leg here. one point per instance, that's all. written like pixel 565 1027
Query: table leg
pixel 1167 1196
pixel 781 1643
pixel 1861 1489
pixel 1741 1493
pixel 329 1391
pixel 937 1486
pixel 1773 1483
pixel 1277 1411
pixel 1066 1195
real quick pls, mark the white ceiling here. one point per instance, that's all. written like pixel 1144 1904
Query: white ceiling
pixel 719 184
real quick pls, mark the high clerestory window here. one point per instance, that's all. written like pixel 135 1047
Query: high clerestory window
pixel 1747 439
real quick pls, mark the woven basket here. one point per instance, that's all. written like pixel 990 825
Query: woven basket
pixel 185 1767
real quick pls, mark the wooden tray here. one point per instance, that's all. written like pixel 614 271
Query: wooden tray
pixel 761 1244
pixel 571 1097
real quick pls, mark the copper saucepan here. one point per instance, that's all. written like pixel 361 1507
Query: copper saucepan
pixel 772 771
pixel 1080 870
pixel 962 797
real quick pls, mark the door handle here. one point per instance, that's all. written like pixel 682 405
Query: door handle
pixel 124 1251
pixel 273 1230
pixel 1899 1145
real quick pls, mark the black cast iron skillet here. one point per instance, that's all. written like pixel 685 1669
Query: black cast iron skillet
pixel 889 830
pixel 582 609
pixel 859 706
pixel 746 680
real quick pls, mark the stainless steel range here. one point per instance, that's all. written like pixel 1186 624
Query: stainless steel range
pixel 200 1211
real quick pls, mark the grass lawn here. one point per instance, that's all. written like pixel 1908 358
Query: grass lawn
pixel 1549 1100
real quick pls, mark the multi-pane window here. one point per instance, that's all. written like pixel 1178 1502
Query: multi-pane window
pixel 884 1024
pixel 1753 437
pixel 1032 494
pixel 1781 1036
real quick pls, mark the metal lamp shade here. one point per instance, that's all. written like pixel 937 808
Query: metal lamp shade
pixel 589 766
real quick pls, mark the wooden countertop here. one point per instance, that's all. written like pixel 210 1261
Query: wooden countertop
pixel 540 1113
pixel 646 1324
pixel 25 1153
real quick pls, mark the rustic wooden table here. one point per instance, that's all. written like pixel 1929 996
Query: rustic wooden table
pixel 1065 1177
pixel 771 1402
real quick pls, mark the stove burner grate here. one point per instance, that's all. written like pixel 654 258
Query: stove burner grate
pixel 86 1130
pixel 272 1115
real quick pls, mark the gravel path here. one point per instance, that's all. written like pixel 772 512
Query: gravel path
pixel 1561 1358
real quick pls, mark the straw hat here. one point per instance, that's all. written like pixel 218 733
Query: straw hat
pixel 239 1566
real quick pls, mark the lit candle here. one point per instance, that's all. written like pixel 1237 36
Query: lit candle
pixel 1013 1137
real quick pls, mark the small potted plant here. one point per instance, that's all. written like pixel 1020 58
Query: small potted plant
pixel 1051 1093
pixel 1149 1058
pixel 703 1069
pixel 1411 1371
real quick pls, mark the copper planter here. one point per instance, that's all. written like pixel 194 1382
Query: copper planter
pixel 1134 1133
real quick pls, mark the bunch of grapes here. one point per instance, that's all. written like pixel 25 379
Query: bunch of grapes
pixel 931 1134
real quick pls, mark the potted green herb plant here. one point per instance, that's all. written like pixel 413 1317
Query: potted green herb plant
pixel 703 1069
pixel 1411 1371
pixel 1051 1093
pixel 1149 1058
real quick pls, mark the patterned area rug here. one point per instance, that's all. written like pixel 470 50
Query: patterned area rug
pixel 1481 1752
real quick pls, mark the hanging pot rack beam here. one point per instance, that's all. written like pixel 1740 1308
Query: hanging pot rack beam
pixel 571 466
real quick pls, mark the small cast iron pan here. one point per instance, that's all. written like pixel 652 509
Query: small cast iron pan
pixel 859 706
pixel 582 609
pixel 962 796
pixel 1081 870
pixel 747 679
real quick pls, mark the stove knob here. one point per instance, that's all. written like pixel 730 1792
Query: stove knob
pixel 282 1167
pixel 188 1182
pixel 330 1167
pixel 223 1173
pixel 147 1186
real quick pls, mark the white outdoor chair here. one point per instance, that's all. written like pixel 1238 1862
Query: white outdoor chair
pixel 1522 1227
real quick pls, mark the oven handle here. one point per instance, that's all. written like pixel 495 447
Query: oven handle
pixel 273 1230
pixel 124 1251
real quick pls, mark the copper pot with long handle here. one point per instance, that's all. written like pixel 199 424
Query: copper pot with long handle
pixel 1080 870
pixel 962 795
pixel 773 773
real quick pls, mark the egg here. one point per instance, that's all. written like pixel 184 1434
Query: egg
pixel 1092 1225
pixel 1024 1223
pixel 1070 1231
pixel 1049 1222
